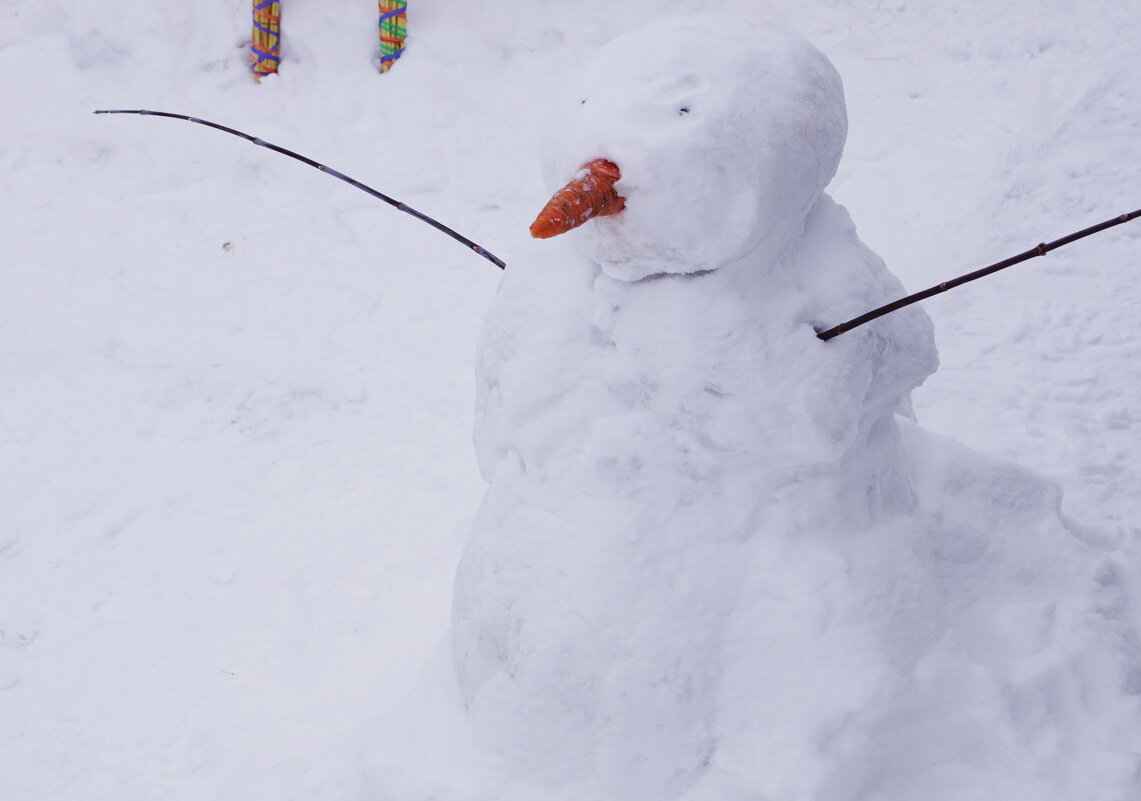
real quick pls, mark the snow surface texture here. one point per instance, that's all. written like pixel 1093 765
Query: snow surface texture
pixel 709 564
pixel 236 396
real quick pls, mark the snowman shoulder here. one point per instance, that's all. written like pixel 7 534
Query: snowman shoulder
pixel 531 349
pixel 842 277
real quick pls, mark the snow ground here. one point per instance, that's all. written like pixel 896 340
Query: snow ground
pixel 237 396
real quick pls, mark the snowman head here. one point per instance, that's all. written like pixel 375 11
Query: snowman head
pixel 723 130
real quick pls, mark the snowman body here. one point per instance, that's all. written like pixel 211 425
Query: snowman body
pixel 711 560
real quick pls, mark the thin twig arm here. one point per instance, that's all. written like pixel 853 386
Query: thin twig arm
pixel 336 174
pixel 1039 250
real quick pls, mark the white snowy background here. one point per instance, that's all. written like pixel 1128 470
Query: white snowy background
pixel 236 396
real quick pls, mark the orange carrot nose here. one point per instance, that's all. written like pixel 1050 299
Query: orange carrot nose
pixel 590 195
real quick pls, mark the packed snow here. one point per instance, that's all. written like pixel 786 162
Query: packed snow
pixel 711 560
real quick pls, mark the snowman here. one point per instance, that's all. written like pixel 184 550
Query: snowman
pixel 714 560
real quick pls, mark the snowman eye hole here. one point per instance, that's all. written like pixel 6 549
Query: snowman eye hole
pixel 683 110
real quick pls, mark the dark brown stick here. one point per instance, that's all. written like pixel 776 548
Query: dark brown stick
pixel 404 207
pixel 1040 250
